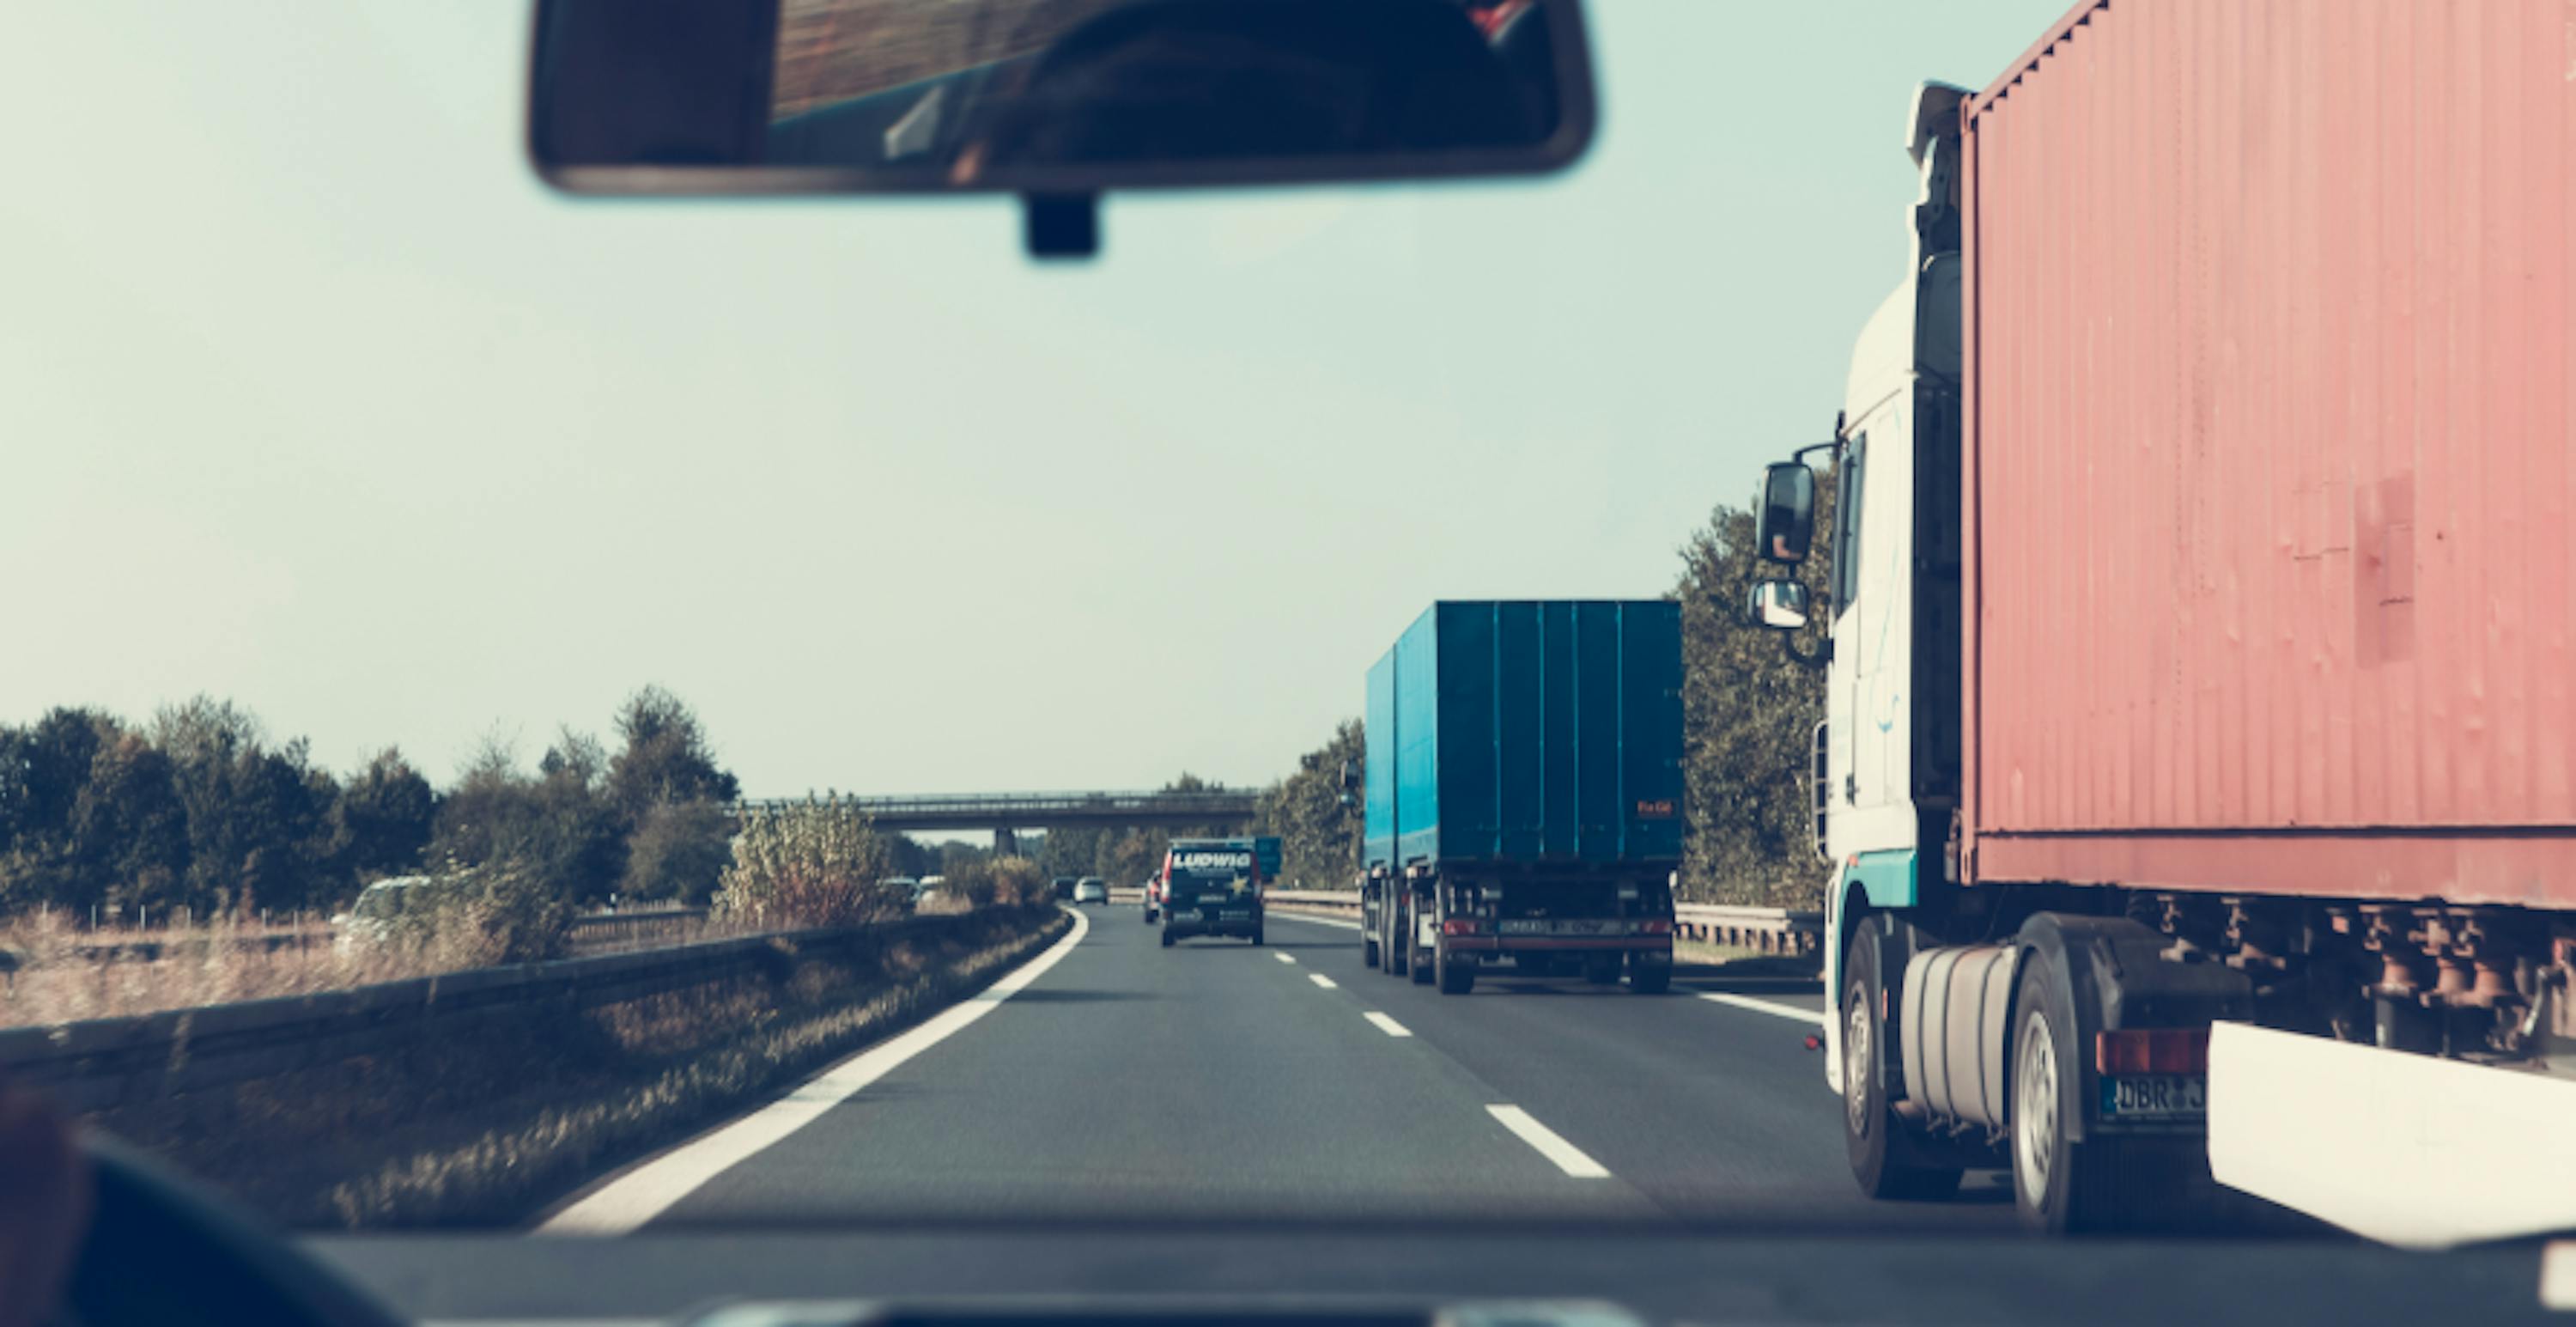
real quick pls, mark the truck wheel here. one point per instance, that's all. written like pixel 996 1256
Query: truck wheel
pixel 1870 1135
pixel 1256 936
pixel 1399 954
pixel 1422 967
pixel 1167 937
pixel 2061 1186
pixel 1650 978
pixel 1456 978
pixel 1368 951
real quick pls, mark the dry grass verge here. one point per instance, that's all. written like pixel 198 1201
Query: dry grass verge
pixel 484 1133
pixel 55 981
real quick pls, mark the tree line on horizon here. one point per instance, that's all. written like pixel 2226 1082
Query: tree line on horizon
pixel 199 810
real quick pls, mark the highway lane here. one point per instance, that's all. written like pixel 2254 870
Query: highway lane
pixel 1135 1083
pixel 1219 1082
pixel 1717 1113
pixel 1212 1118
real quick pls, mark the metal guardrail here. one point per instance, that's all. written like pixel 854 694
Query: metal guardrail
pixel 1324 902
pixel 624 926
pixel 1768 930
pixel 589 932
pixel 101 1063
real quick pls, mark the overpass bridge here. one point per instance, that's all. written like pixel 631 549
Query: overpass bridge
pixel 1006 813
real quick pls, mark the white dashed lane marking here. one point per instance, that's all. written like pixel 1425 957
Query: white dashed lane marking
pixel 1567 1156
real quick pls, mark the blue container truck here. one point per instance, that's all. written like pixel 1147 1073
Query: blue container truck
pixel 1523 793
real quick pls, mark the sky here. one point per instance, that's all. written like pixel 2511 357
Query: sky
pixel 313 398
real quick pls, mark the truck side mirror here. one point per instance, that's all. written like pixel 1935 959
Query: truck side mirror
pixel 1785 520
pixel 1777 605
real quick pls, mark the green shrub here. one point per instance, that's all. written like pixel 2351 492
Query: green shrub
pixel 502 911
pixel 1018 882
pixel 813 864
pixel 679 852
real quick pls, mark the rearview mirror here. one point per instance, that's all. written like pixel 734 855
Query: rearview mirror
pixel 1054 99
pixel 1778 605
pixel 1785 522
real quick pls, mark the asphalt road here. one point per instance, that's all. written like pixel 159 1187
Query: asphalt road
pixel 1214 1120
pixel 1219 1082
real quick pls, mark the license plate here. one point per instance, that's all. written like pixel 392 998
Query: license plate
pixel 1234 914
pixel 2155 1097
pixel 1553 928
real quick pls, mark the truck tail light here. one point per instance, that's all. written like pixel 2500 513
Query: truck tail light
pixel 1656 926
pixel 2152 1051
pixel 1458 926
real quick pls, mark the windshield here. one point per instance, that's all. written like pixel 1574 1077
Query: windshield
pixel 821 596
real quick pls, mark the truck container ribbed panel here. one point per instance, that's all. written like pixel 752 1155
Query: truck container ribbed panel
pixel 2272 451
pixel 1531 733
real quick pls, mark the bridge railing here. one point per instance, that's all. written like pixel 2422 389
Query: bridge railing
pixel 1216 803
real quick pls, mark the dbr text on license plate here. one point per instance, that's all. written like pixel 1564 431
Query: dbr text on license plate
pixel 2155 1097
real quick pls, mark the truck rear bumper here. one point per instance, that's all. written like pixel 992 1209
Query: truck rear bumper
pixel 1656 945
pixel 1180 929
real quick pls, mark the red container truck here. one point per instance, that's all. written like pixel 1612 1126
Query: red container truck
pixel 2200 763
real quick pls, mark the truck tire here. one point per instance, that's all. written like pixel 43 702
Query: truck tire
pixel 1422 967
pixel 1870 1129
pixel 2060 1186
pixel 1456 978
pixel 1167 937
pixel 1650 978
pixel 1368 951
pixel 1256 936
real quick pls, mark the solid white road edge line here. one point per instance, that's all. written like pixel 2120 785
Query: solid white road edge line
pixel 647 1191
pixel 1790 1011
pixel 1320 979
pixel 1285 958
pixel 1387 1025
pixel 1567 1156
